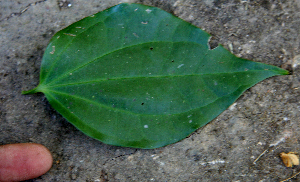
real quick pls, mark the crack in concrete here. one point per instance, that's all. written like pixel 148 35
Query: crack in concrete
pixel 22 11
pixel 122 155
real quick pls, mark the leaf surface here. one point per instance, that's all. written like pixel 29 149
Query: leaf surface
pixel 137 76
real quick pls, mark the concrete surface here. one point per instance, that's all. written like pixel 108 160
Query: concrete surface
pixel 265 117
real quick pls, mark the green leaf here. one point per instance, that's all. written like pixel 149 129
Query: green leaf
pixel 137 76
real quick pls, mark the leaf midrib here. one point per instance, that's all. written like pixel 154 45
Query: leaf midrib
pixel 141 77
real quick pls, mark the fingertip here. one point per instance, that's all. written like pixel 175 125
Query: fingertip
pixel 24 161
pixel 43 160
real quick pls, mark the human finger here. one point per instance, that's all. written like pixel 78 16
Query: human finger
pixel 23 161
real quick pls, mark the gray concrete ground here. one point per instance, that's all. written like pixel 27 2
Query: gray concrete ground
pixel 265 117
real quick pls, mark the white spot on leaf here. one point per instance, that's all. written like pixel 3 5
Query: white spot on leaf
pixel 53 50
pixel 135 35
pixel 180 66
pixel 69 34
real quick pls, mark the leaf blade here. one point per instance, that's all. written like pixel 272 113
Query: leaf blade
pixel 136 76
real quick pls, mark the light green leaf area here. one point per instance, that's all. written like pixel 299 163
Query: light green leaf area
pixel 137 76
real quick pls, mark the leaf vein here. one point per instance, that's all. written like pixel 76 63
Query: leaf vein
pixel 105 54
pixel 141 77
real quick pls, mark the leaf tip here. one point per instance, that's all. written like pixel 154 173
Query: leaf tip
pixel 284 72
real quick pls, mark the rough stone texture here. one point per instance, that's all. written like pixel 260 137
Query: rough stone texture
pixel 265 117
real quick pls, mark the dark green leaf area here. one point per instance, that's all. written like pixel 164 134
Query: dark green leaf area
pixel 136 76
pixel 108 31
pixel 159 95
pixel 121 128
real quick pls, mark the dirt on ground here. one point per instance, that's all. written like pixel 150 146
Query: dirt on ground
pixel 242 144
